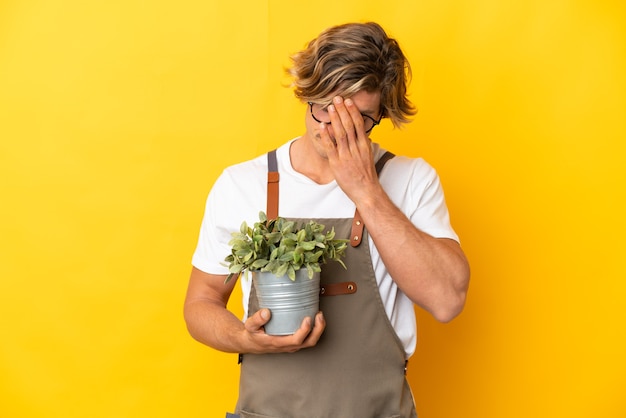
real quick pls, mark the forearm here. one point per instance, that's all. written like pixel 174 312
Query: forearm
pixel 206 315
pixel 212 324
pixel 432 272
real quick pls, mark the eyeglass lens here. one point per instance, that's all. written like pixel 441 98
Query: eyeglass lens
pixel 320 114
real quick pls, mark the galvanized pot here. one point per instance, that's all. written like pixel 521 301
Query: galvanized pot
pixel 289 301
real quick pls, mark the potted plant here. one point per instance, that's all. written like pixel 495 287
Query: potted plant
pixel 285 260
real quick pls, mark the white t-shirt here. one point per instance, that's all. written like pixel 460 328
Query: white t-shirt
pixel 240 193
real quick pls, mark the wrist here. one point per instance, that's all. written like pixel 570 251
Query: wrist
pixel 371 198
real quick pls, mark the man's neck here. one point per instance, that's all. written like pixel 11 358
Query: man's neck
pixel 306 160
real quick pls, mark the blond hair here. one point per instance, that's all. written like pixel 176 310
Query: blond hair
pixel 346 59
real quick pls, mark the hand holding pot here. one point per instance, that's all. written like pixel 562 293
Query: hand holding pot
pixel 306 336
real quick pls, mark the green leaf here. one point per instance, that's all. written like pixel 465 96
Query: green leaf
pixel 248 256
pixel 288 242
pixel 236 268
pixel 272 265
pixel 273 237
pixel 230 276
pixel 287 227
pixel 313 257
pixel 288 256
pixel 308 245
pixel 281 271
pixel 242 253
pixel 258 264
pixel 237 241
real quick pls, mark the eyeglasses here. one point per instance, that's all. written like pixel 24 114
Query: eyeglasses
pixel 320 115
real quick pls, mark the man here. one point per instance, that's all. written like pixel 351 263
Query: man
pixel 350 360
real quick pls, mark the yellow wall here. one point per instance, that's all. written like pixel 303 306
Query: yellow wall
pixel 117 116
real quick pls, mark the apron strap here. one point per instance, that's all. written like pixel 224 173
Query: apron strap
pixel 272 185
pixel 272 194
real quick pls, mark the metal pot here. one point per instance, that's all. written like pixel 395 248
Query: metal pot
pixel 289 301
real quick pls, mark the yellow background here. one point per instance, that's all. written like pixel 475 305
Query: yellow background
pixel 116 117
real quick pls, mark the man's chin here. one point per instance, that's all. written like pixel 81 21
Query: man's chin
pixel 319 138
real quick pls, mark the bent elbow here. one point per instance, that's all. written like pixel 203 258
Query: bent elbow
pixel 450 310
pixel 453 304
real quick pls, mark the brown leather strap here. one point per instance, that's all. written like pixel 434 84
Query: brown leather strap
pixel 357 223
pixel 272 185
pixel 334 289
pixel 272 195
pixel 383 160
pixel 357 229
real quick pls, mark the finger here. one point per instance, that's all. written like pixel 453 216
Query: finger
pixel 339 105
pixel 301 333
pixel 327 142
pixel 361 143
pixel 356 117
pixel 349 115
pixel 256 322
pixel 340 121
pixel 316 332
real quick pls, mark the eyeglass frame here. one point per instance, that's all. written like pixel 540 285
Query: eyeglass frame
pixel 374 121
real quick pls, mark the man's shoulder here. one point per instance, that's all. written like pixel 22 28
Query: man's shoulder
pixel 402 173
pixel 405 163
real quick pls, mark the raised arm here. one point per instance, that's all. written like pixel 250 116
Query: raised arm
pixel 432 272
